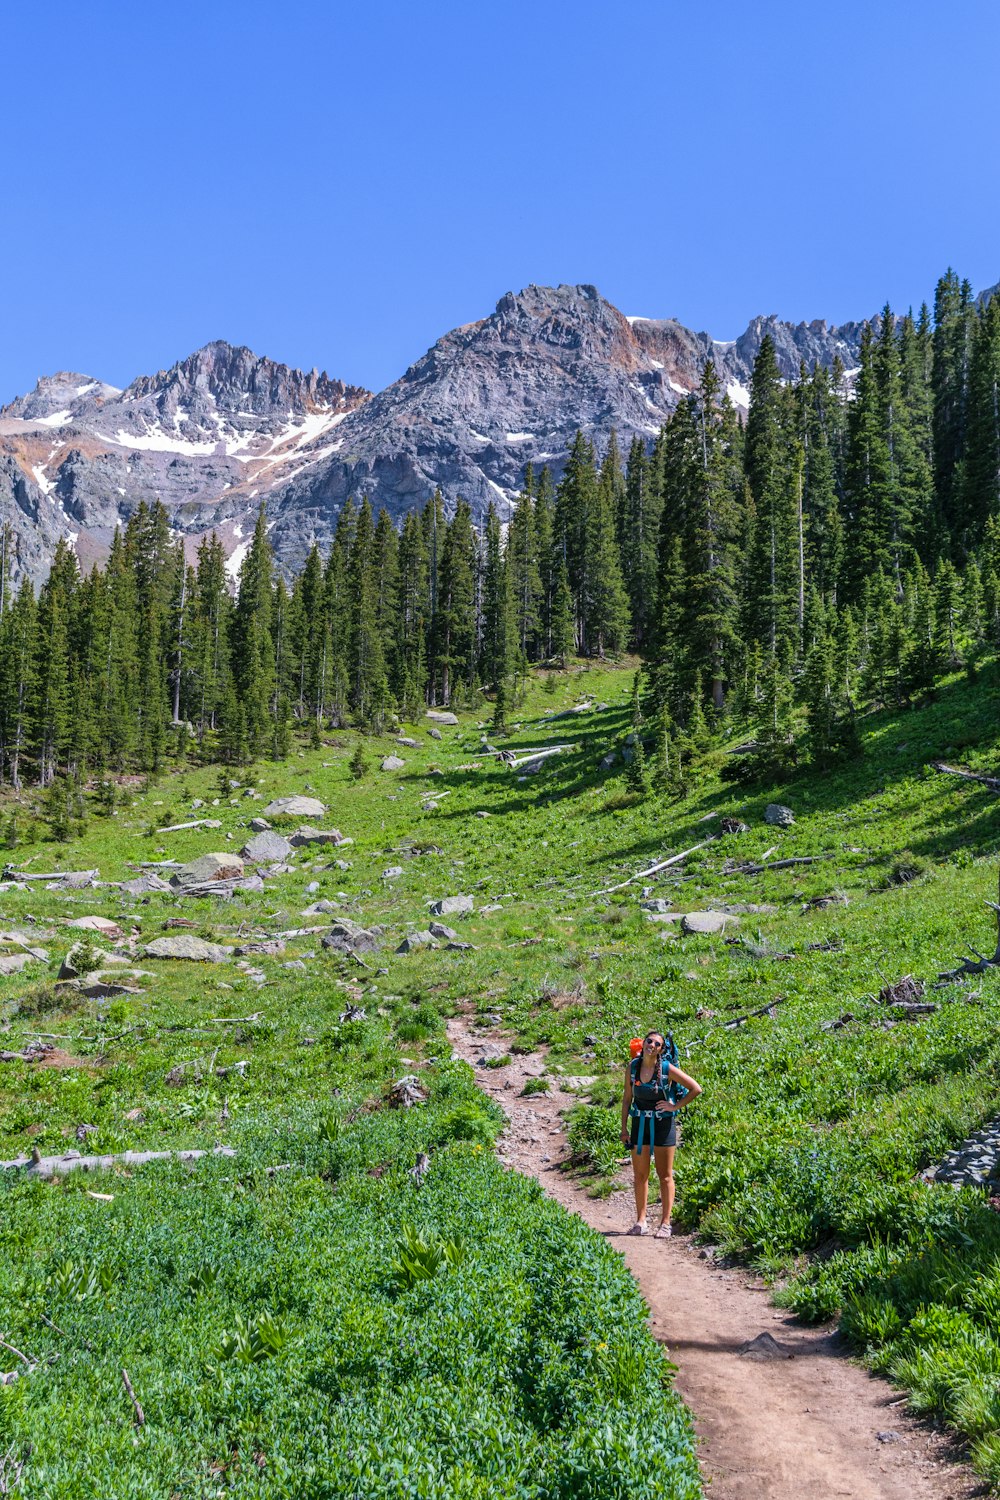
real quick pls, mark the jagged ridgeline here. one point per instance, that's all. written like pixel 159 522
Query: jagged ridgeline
pixel 782 568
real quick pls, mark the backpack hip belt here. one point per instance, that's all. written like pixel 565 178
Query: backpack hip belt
pixel 647 1123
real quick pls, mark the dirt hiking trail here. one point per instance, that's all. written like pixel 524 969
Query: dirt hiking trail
pixel 794 1422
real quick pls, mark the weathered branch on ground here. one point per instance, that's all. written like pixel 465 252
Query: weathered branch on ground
pixel 11 1469
pixel 59 1166
pixel 992 782
pixel 674 859
pixel 777 864
pixel 140 1415
pixel 983 961
pixel 11 874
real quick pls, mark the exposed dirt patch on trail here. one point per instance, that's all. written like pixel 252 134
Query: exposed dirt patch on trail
pixel 787 1418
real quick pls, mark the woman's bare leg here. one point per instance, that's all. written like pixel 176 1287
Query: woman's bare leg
pixel 664 1156
pixel 640 1177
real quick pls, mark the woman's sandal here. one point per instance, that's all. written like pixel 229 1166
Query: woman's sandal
pixel 664 1232
pixel 638 1229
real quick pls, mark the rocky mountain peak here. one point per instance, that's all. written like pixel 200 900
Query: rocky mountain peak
pixel 234 379
pixel 58 394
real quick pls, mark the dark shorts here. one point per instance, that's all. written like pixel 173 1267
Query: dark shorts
pixel 664 1131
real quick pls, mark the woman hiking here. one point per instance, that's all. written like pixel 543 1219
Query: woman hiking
pixel 652 1103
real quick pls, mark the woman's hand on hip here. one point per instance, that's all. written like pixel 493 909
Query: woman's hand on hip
pixel 667 1107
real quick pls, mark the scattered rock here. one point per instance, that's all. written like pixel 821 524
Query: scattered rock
pixel 706 921
pixel 307 835
pixel 459 947
pixel 404 739
pixel 416 940
pixel 267 847
pixel 186 945
pixel 268 947
pixel 435 734
pixel 391 872
pixel 103 925
pixel 393 763
pixel 887 1437
pixel 259 825
pixel 207 870
pixel 295 807
pixel 321 908
pixel 13 963
pixel 607 761
pixel 453 906
pixel 82 958
pixel 296 964
pixel 145 885
pixel 777 815
pixel 350 937
pixel 439 930
pixel 441 716
pixel 656 905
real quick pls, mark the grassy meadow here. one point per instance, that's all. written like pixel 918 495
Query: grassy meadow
pixel 336 1325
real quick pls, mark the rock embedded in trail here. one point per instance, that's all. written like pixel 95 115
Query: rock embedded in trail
pixel 453 906
pixel 295 807
pixel 777 815
pixel 266 848
pixel 186 945
pixel 706 921
pixel 393 763
pixel 207 870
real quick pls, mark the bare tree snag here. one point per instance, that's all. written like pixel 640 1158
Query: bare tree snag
pixel 982 962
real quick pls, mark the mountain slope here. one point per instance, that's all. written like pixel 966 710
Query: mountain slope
pixel 224 429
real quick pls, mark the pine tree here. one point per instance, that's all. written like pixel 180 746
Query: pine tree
pixel 252 643
pixel 369 688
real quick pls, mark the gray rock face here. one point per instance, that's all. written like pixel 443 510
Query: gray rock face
pixel 209 868
pixel 295 807
pixel 453 906
pixel 264 848
pixel 393 763
pixel 778 816
pixel 186 945
pixel 13 963
pixel 707 921
pixel 224 429
pixel 145 885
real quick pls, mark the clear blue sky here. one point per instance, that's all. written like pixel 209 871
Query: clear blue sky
pixel 337 185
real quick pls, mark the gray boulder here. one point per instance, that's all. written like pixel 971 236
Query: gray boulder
pixel 144 885
pixel 391 872
pixel 207 870
pixel 295 807
pixel 83 958
pixel 416 940
pixel 350 937
pixel 707 921
pixel 441 716
pixel 259 825
pixel 186 945
pixel 656 905
pixel 435 734
pixel 393 763
pixel 404 739
pixel 307 835
pixel 266 848
pixel 13 963
pixel 453 906
pixel 439 930
pixel 778 816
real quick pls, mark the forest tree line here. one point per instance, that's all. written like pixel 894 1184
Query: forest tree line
pixel 836 546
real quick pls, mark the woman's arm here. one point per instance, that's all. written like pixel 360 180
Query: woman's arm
pixel 626 1104
pixel 686 1081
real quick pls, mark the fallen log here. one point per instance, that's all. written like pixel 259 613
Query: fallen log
pixel 983 962
pixel 992 782
pixel 9 873
pixel 777 864
pixel 662 865
pixel 37 1165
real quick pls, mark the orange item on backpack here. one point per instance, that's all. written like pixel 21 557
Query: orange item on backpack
pixel 635 1046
